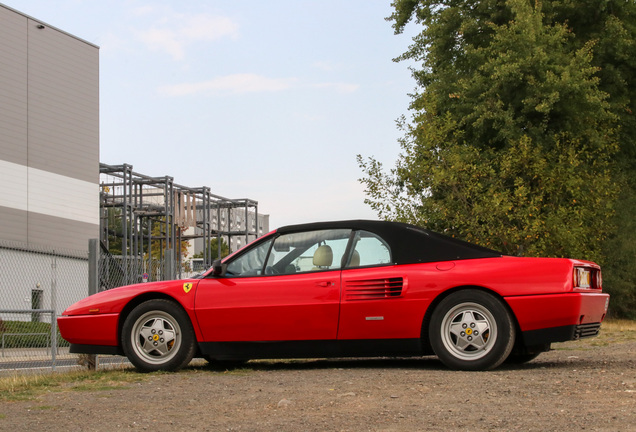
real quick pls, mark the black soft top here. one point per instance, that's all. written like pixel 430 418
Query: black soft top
pixel 409 243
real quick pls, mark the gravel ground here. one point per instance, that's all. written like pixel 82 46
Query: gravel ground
pixel 579 386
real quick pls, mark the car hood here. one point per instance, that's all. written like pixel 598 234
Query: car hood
pixel 114 300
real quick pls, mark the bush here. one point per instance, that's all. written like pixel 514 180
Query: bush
pixel 25 334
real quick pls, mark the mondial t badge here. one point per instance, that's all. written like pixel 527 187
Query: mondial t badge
pixel 187 287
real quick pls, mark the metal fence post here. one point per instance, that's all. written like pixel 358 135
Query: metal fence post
pixel 169 264
pixel 93 266
pixel 93 286
pixel 54 311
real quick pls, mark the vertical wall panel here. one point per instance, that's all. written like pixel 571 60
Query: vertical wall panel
pixel 49 134
pixel 63 104
pixel 13 126
pixel 13 87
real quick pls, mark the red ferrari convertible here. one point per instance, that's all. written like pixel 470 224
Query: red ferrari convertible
pixel 348 289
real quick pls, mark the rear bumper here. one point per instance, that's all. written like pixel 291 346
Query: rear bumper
pixel 559 317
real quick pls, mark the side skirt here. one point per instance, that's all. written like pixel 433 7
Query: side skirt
pixel 312 349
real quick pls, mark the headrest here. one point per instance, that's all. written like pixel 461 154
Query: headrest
pixel 323 257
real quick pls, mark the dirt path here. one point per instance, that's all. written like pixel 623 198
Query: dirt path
pixel 579 386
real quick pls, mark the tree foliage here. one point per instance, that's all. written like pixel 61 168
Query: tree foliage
pixel 523 133
pixel 159 244
pixel 511 139
pixel 214 249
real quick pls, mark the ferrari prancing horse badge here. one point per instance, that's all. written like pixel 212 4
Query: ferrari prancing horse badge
pixel 187 287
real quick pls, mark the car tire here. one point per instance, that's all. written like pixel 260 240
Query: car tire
pixel 158 335
pixel 471 330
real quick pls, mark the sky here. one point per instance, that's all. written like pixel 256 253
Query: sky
pixel 268 100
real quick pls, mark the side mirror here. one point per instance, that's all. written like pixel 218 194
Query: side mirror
pixel 218 268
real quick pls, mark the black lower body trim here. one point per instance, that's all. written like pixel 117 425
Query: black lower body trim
pixel 95 349
pixel 312 349
pixel 560 334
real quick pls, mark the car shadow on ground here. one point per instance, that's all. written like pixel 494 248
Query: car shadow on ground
pixel 431 363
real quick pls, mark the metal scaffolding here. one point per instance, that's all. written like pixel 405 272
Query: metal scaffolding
pixel 151 217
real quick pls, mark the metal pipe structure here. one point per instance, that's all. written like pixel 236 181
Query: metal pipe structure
pixel 149 214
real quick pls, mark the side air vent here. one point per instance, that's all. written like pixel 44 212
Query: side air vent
pixel 373 289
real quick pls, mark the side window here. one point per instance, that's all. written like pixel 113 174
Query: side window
pixel 369 249
pixel 308 251
pixel 250 263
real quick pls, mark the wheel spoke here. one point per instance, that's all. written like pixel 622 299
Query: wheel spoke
pixel 456 329
pixel 462 344
pixel 479 342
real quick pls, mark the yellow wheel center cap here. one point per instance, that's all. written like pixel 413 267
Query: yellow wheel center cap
pixel 155 337
pixel 469 331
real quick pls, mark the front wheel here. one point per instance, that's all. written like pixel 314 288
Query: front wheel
pixel 158 335
pixel 471 330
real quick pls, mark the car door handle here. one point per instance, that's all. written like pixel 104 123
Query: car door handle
pixel 324 283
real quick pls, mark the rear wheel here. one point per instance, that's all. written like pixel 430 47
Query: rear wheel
pixel 158 335
pixel 471 330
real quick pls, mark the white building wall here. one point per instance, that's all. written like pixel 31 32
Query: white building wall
pixel 49 162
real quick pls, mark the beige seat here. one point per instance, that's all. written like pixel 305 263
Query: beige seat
pixel 323 257
pixel 355 259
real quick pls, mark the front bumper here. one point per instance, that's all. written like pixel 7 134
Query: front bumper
pixel 90 329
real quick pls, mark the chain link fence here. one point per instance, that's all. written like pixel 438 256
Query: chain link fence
pixel 36 285
pixel 115 271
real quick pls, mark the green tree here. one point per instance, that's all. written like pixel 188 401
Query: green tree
pixel 523 131
pixel 159 244
pixel 214 249
pixel 612 24
pixel 511 141
pixel 114 230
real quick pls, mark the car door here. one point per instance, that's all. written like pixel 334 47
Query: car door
pixel 375 302
pixel 286 287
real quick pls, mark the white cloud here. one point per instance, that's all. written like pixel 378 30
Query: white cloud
pixel 237 83
pixel 164 40
pixel 173 34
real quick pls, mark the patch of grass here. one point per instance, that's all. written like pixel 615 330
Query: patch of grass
pixel 612 332
pixel 615 331
pixel 25 387
pixel 612 326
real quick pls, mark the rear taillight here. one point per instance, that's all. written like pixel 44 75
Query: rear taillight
pixel 587 278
